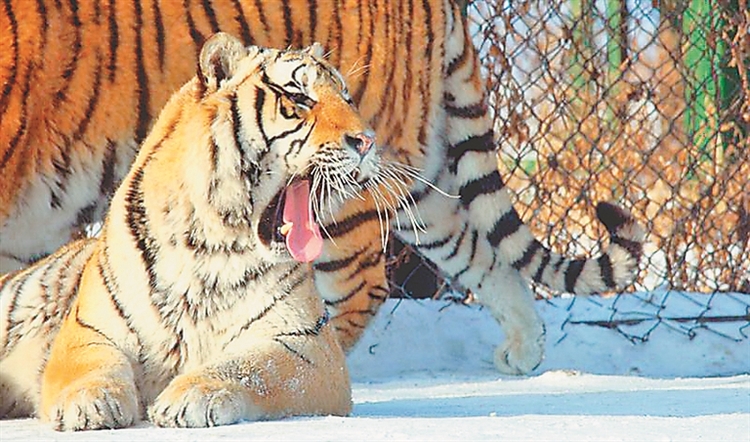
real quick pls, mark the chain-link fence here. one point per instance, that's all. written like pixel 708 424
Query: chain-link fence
pixel 645 103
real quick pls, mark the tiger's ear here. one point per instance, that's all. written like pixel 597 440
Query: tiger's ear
pixel 219 59
pixel 316 50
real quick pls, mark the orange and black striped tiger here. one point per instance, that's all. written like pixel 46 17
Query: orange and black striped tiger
pixel 82 82
pixel 195 302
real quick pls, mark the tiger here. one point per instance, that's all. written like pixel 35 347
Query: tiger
pixel 83 80
pixel 195 305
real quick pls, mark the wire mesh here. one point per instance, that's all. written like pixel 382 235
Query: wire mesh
pixel 644 103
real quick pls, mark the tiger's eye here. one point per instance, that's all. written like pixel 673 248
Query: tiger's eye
pixel 302 100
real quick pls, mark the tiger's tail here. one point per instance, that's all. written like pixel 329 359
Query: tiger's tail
pixel 614 269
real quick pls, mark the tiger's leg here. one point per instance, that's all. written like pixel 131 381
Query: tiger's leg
pixel 502 249
pixel 262 384
pixel 460 231
pixel 290 374
pixel 88 382
pixel 350 274
pixel 511 301
pixel 33 303
pixel 456 241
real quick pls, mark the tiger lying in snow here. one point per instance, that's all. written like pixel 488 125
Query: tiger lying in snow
pixel 196 302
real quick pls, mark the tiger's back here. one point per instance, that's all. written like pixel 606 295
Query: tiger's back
pixel 84 81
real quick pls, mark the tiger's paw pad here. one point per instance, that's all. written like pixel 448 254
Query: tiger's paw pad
pixel 94 406
pixel 193 404
pixel 519 358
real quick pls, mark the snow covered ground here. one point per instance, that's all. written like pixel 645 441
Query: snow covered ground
pixel 424 371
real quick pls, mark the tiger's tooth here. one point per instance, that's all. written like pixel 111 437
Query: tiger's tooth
pixel 285 228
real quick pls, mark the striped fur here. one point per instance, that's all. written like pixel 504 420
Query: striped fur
pixel 69 101
pixel 189 305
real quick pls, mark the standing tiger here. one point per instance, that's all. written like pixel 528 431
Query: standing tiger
pixel 196 301
pixel 81 82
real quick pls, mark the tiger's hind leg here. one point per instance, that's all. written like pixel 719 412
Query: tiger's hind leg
pixel 463 233
pixel 33 303
pixel 459 247
pixel 14 403
pixel 479 240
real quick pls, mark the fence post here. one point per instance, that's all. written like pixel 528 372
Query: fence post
pixel 707 89
pixel 617 54
pixel 581 11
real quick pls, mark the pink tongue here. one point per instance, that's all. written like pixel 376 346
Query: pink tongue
pixel 303 239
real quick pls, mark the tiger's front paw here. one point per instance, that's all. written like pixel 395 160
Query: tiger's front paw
pixel 195 401
pixel 95 404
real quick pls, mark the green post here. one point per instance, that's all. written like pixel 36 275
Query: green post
pixel 581 34
pixel 617 51
pixel 702 58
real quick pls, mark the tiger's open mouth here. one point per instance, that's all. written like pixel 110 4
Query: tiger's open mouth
pixel 289 219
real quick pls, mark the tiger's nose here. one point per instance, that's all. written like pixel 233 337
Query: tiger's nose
pixel 361 142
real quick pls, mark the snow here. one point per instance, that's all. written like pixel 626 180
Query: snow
pixel 423 371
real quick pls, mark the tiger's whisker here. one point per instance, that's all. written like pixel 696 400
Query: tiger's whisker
pixel 315 204
pixel 396 185
pixel 383 211
pixel 414 173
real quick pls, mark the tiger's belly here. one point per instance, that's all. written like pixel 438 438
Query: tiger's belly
pixel 51 210
pixel 38 226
